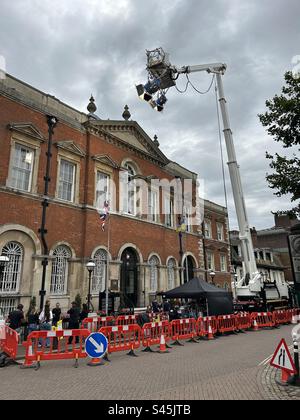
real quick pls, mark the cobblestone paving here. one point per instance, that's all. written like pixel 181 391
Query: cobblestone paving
pixel 224 369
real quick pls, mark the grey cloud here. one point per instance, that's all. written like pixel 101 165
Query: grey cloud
pixel 73 48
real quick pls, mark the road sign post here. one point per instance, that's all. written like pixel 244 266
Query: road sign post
pixel 96 347
pixel 282 359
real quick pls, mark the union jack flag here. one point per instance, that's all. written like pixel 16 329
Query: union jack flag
pixel 104 213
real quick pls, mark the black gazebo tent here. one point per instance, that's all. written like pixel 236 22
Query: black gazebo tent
pixel 219 301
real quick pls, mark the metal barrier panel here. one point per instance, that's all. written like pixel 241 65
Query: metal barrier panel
pixel 204 324
pixel 126 320
pixel 183 329
pixel 243 321
pixel 280 317
pixel 54 345
pixel 122 337
pixel 9 342
pixel 227 323
pixel 93 324
pixel 263 319
pixel 152 332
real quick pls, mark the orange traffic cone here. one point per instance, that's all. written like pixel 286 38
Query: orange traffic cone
pixel 96 362
pixel 255 326
pixel 163 347
pixel 210 335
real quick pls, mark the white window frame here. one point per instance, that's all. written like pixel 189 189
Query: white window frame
pixel 19 170
pixel 208 228
pixel 169 210
pixel 7 305
pixel 100 272
pixel 154 264
pixel 74 165
pixel 12 272
pixel 60 270
pixel 153 205
pixel 223 263
pixel 220 232
pixel 188 218
pixel 171 273
pixel 212 265
pixel 128 187
pixel 98 193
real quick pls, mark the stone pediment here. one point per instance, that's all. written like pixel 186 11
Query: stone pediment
pixel 28 130
pixel 71 147
pixel 130 133
pixel 106 160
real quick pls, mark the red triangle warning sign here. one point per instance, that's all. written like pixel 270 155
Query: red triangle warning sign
pixel 282 358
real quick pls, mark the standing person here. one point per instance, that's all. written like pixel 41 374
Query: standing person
pixel 16 318
pixel 74 313
pixel 84 313
pixel 155 306
pixel 45 319
pixel 32 320
pixel 56 315
pixel 166 307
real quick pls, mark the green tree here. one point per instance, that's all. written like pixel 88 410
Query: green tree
pixel 283 123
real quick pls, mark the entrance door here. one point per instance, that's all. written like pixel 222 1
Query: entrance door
pixel 129 279
pixel 188 269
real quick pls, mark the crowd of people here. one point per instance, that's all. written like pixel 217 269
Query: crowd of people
pixel 177 309
pixel 46 319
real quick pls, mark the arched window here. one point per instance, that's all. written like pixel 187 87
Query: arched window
pixel 154 263
pixel 59 276
pixel 171 273
pixel 10 280
pixel 99 275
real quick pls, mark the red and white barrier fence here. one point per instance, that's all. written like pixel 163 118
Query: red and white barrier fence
pixel 126 320
pixel 263 319
pixel 128 336
pixel 207 325
pixel 152 332
pixel 243 321
pixel 55 345
pixel 95 323
pixel 227 323
pixel 9 340
pixel 122 337
pixel 183 329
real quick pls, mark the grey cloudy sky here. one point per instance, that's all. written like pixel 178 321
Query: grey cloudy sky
pixel 70 48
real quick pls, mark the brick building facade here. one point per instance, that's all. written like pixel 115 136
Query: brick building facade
pixel 216 245
pixel 93 160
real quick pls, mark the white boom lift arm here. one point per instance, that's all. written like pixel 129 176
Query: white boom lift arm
pixel 161 76
pixel 252 278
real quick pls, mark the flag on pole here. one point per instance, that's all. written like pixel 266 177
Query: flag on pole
pixel 104 213
pixel 181 226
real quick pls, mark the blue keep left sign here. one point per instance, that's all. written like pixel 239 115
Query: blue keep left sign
pixel 96 346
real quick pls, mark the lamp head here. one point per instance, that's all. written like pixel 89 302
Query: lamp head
pixel 90 266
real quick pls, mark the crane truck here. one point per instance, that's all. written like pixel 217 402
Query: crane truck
pixel 253 290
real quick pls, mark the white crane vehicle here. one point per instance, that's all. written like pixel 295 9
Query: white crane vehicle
pixel 253 289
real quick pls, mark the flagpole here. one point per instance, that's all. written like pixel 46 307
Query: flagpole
pixel 107 267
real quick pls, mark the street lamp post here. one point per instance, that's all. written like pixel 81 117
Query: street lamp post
pixel 212 275
pixel 90 267
pixel 52 122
